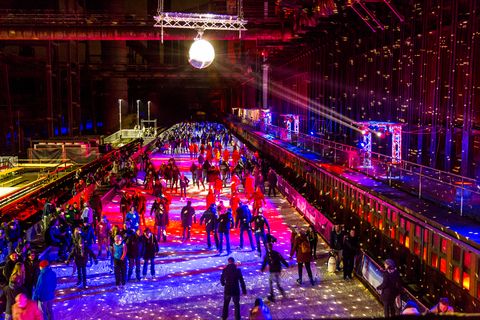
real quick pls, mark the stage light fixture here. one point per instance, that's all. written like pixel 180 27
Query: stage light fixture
pixel 201 52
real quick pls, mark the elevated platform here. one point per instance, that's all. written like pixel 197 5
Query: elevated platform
pixel 436 249
pixel 466 229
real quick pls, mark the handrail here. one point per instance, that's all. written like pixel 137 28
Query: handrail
pixel 46 161
pixel 339 146
pixel 11 196
pixel 124 134
pixel 15 206
pixel 30 187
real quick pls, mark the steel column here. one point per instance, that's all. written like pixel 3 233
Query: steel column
pixel 49 93
pixel 11 130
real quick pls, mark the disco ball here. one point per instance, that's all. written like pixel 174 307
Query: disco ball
pixel 201 54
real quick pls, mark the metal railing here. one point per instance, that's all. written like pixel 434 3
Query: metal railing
pixel 123 134
pixel 43 162
pixel 461 194
pixel 18 201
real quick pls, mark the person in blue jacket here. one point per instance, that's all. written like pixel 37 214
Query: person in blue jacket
pixel 134 218
pixel 44 291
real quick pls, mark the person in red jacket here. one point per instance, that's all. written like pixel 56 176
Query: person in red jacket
pixel 25 309
pixel 301 247
pixel 209 154
pixel 234 203
pixel 249 185
pixel 218 187
pixel 195 150
pixel 210 199
pixel 235 183
pixel 258 200
pixel 235 156
pixel 191 149
pixel 226 155
pixel 217 155
pixel 103 231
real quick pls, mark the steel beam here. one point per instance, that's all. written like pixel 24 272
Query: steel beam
pixel 112 33
pixel 114 27
pixel 371 15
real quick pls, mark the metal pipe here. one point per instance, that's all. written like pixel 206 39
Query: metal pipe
pixel 120 115
pixel 265 68
pixel 461 199
pixel 70 116
pixel 148 105
pixel 49 89
pixel 19 133
pixel 420 184
pixel 138 114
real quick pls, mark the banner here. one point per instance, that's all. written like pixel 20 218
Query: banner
pixel 51 155
pixel 321 223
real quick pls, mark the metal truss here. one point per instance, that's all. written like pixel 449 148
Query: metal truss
pixel 200 22
pixel 381 127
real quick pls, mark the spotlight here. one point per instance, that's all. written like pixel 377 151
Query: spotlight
pixel 379 134
pixel 201 53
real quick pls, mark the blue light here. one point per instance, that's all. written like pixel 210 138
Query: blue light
pixel 99 124
pixel 64 130
pixel 89 125
pixel 55 132
pixel 311 132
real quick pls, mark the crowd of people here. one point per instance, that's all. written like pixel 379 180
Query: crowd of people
pixel 28 284
pixel 212 167
pixel 28 287
pixel 238 175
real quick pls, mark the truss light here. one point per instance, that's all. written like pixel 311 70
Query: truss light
pixel 201 54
